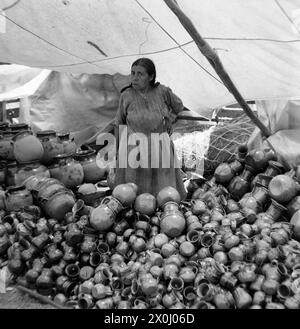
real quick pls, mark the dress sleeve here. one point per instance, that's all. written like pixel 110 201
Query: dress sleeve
pixel 120 118
pixel 174 102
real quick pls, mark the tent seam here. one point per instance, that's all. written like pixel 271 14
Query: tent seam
pixel 48 42
pixel 170 36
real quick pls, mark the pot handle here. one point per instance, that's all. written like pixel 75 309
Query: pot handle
pixel 42 201
pixel 105 200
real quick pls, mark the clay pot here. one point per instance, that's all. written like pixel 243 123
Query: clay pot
pixel 169 249
pixel 149 285
pixel 160 239
pixel 16 265
pixel 85 301
pixel 52 146
pixel 72 271
pixel 240 185
pixel 69 146
pixel 88 244
pixel 170 271
pixel 67 170
pixel 274 168
pixel 92 171
pixel 73 234
pixel 58 204
pixel 17 197
pixel 270 286
pixel 223 300
pixel 205 291
pixel 247 273
pixel 167 194
pixel 111 239
pixel 31 276
pixel 223 173
pixel 242 298
pixel 100 291
pixel 294 205
pixel 207 239
pixel 27 147
pixel 188 274
pixel 95 259
pixel 231 241
pixel 44 188
pixel 259 298
pixel 54 254
pixel 258 159
pixel 64 285
pixel 70 255
pixel 44 282
pixel 198 207
pixel 102 218
pixel 176 284
pixel 172 221
pixel 228 281
pixel 6 146
pixel 187 249
pixel 27 169
pixel 283 188
pixel 125 194
pixel 295 222
pixel 194 236
pixel 273 213
pixel 145 203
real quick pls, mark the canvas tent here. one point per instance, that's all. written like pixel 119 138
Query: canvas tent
pixel 257 41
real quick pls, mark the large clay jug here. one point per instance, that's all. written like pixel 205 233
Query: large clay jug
pixel 51 145
pixel 92 172
pixel 69 145
pixel 67 170
pixel 103 217
pixel 17 197
pixel 27 147
pixel 57 205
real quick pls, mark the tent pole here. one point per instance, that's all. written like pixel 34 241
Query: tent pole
pixel 216 63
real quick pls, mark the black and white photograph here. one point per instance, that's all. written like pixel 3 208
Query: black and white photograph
pixel 149 159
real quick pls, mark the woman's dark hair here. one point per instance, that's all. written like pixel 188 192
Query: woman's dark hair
pixel 150 69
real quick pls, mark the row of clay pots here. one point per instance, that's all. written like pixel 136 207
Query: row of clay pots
pixel 33 154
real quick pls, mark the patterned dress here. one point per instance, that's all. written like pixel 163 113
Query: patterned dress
pixel 146 153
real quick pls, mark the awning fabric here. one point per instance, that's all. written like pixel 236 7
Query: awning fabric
pixel 257 41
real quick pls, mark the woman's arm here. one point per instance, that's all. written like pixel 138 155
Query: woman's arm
pixel 175 104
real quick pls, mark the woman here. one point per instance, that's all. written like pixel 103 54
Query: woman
pixel 145 115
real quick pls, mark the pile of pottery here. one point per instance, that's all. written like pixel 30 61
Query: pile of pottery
pixel 234 243
pixel 44 154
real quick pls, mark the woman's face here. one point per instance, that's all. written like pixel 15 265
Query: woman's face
pixel 140 79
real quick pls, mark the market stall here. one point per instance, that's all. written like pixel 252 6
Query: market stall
pixel 72 238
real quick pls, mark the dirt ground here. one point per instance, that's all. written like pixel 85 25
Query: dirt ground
pixel 15 299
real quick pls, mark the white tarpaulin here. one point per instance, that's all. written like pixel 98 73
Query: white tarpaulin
pixel 283 120
pixel 257 41
pixel 18 81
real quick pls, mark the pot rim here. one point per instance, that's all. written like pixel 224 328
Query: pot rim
pixel 42 133
pixel 22 133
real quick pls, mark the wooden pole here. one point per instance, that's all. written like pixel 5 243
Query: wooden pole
pixel 216 63
pixel 40 297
